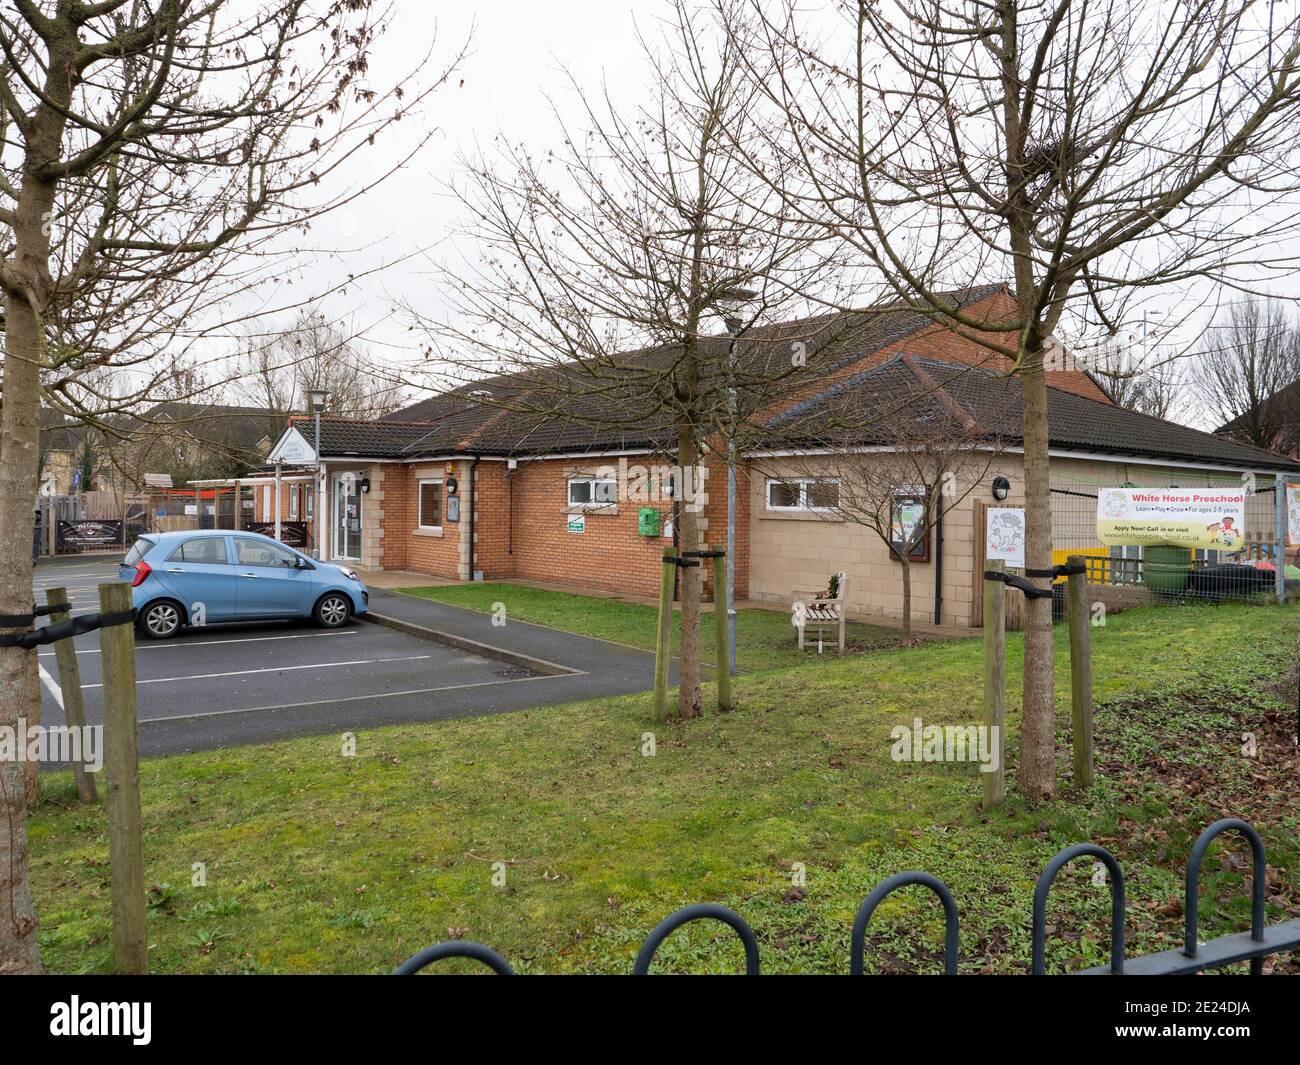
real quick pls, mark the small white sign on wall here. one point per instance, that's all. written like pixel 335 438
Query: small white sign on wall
pixel 1004 538
pixel 577 523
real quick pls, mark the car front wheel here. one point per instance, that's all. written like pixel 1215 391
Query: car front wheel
pixel 332 610
pixel 161 620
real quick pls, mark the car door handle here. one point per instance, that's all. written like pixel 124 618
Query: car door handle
pixel 176 569
pixel 249 576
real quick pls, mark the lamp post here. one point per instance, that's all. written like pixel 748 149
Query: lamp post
pixel 316 398
pixel 730 305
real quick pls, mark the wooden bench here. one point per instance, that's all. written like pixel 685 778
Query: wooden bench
pixel 821 612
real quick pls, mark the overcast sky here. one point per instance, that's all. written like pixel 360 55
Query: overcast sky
pixel 518 53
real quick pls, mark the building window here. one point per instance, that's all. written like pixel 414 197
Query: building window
pixel 293 502
pixel 430 504
pixel 588 491
pixel 266 503
pixel 803 493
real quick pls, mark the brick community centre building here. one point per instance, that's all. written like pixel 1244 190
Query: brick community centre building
pixel 464 486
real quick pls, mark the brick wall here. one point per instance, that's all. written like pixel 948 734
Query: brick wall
pixel 406 544
pixel 608 555
pixel 939 342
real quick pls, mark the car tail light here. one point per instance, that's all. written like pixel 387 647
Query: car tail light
pixel 142 571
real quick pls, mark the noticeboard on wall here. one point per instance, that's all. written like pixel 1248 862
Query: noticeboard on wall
pixel 908 513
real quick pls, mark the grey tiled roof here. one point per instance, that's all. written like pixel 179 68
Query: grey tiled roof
pixel 571 408
pixel 994 402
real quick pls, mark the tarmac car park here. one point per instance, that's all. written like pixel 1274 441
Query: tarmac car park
pixel 228 684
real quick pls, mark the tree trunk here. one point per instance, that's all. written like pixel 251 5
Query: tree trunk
pixel 1036 773
pixel 688 539
pixel 25 279
pixel 907 597
pixel 19 682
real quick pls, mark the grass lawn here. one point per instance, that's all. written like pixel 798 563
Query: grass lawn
pixel 765 639
pixel 317 862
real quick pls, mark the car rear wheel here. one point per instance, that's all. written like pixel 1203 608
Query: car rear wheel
pixel 332 610
pixel 161 619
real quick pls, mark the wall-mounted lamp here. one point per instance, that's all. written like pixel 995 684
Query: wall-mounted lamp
pixel 363 485
pixel 1001 488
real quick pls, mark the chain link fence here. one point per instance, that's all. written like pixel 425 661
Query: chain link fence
pixel 1163 574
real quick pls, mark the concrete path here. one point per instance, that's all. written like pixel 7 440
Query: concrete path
pixel 582 667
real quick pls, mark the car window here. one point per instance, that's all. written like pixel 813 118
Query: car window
pixel 208 550
pixel 138 550
pixel 261 553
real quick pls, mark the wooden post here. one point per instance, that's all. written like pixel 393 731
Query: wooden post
pixel 995 684
pixel 664 643
pixel 720 628
pixel 1080 671
pixel 71 696
pixel 122 765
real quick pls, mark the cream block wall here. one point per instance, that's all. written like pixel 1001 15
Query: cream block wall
pixel 800 551
pixel 372 519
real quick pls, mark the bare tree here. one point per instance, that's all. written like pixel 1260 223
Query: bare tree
pixel 275 372
pixel 891 450
pixel 1155 386
pixel 1242 368
pixel 151 155
pixel 610 260
pixel 1087 153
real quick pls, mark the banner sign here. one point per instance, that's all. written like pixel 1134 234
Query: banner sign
pixel 1293 515
pixel 76 535
pixel 1210 518
pixel 292 533
pixel 1005 536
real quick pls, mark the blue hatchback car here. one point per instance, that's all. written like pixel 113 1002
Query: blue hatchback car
pixel 198 578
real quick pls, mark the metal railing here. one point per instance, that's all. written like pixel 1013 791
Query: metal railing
pixel 1253 946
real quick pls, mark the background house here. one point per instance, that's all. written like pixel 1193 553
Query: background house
pixel 1277 418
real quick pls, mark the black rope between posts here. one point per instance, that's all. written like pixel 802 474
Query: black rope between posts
pixel 61 630
pixel 1031 590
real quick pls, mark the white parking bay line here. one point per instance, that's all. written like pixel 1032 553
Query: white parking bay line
pixel 346 699
pixel 182 644
pixel 274 669
pixel 50 684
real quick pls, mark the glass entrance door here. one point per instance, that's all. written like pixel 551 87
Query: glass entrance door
pixel 347 518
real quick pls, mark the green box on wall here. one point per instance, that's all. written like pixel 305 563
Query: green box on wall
pixel 647 522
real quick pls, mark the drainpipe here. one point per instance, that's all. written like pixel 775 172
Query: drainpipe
pixel 938 568
pixel 510 526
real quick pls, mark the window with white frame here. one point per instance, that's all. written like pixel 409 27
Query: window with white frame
pixel 293 502
pixel 803 493
pixel 431 504
pixel 592 491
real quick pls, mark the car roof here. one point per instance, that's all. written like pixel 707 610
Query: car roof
pixel 176 537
